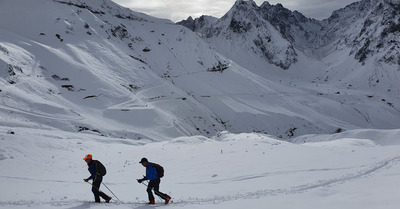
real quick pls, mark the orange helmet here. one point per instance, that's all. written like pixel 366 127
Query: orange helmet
pixel 88 156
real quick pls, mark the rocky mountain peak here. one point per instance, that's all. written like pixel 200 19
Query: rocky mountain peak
pixel 380 32
pixel 366 26
pixel 245 3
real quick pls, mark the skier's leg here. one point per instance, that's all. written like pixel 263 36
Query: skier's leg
pixel 149 192
pixel 99 179
pixel 165 197
pixel 95 189
pixel 157 190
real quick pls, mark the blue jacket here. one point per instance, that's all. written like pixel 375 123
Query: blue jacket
pixel 92 169
pixel 151 172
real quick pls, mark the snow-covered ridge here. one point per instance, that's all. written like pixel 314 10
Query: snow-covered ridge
pixel 96 67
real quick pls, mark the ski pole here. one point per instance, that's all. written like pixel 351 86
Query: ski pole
pixel 145 184
pixel 111 192
pixel 107 188
pixel 94 187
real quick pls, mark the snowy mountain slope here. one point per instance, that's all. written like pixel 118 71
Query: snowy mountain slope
pixel 326 52
pixel 77 64
pixel 96 67
pixel 365 31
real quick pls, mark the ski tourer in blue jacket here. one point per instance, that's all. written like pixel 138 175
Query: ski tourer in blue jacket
pixel 154 183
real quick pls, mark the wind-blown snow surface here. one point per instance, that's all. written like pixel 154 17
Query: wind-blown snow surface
pixel 44 169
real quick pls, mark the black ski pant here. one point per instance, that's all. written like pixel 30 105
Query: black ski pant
pixel 155 184
pixel 96 189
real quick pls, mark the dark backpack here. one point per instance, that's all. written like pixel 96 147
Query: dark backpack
pixel 159 168
pixel 101 169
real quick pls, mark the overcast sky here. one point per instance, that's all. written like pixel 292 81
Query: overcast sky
pixel 177 10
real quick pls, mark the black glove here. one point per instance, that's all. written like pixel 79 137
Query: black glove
pixel 141 180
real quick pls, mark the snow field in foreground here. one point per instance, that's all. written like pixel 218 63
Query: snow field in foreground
pixel 44 169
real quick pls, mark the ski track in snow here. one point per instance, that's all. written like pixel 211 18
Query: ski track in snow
pixel 39 180
pixel 39 115
pixel 385 164
pixel 264 175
